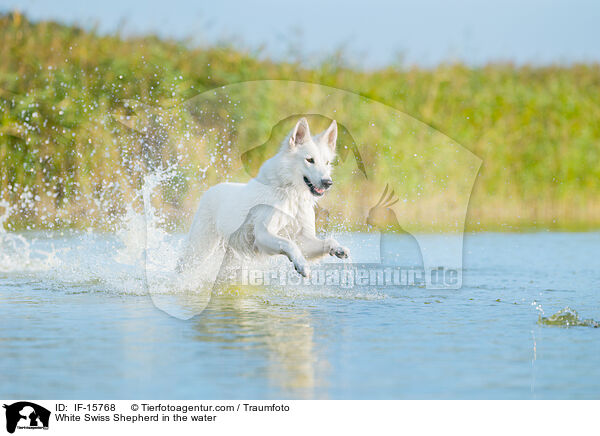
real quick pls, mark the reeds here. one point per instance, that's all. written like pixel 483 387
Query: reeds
pixel 537 129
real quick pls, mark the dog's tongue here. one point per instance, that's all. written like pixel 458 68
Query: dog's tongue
pixel 319 190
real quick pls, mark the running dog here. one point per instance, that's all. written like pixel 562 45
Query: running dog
pixel 272 214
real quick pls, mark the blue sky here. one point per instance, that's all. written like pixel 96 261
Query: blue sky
pixel 373 32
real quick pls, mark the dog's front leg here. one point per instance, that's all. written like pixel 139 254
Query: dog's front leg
pixel 337 250
pixel 313 247
pixel 269 243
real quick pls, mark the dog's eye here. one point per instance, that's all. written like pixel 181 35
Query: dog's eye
pixel 310 160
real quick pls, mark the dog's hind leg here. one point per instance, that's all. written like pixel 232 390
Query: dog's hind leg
pixel 200 244
pixel 195 253
pixel 224 274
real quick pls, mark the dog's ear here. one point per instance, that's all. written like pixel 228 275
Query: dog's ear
pixel 329 136
pixel 300 133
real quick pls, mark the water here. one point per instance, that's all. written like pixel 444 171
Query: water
pixel 76 322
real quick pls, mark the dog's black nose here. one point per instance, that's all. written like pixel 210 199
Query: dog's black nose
pixel 326 182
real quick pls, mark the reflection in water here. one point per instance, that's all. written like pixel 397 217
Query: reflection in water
pixel 284 336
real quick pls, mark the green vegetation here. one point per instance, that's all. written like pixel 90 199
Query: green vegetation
pixel 537 129
pixel 566 317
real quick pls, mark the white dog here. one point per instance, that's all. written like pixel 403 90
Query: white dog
pixel 273 213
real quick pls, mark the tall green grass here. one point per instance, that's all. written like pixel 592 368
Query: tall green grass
pixel 537 129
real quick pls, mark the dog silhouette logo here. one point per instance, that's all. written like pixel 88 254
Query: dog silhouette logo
pixel 26 415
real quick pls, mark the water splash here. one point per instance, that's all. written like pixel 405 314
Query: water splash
pixel 139 257
pixel 17 253
pixel 566 317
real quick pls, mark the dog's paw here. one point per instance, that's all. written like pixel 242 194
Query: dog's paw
pixel 339 251
pixel 302 268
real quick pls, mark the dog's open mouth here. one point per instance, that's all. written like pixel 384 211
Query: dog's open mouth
pixel 313 189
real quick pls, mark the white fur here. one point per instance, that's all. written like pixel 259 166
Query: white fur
pixel 273 213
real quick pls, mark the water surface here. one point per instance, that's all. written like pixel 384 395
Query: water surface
pixel 74 326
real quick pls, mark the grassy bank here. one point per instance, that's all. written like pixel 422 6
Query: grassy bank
pixel 536 129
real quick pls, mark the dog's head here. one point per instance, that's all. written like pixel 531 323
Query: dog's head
pixel 312 156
